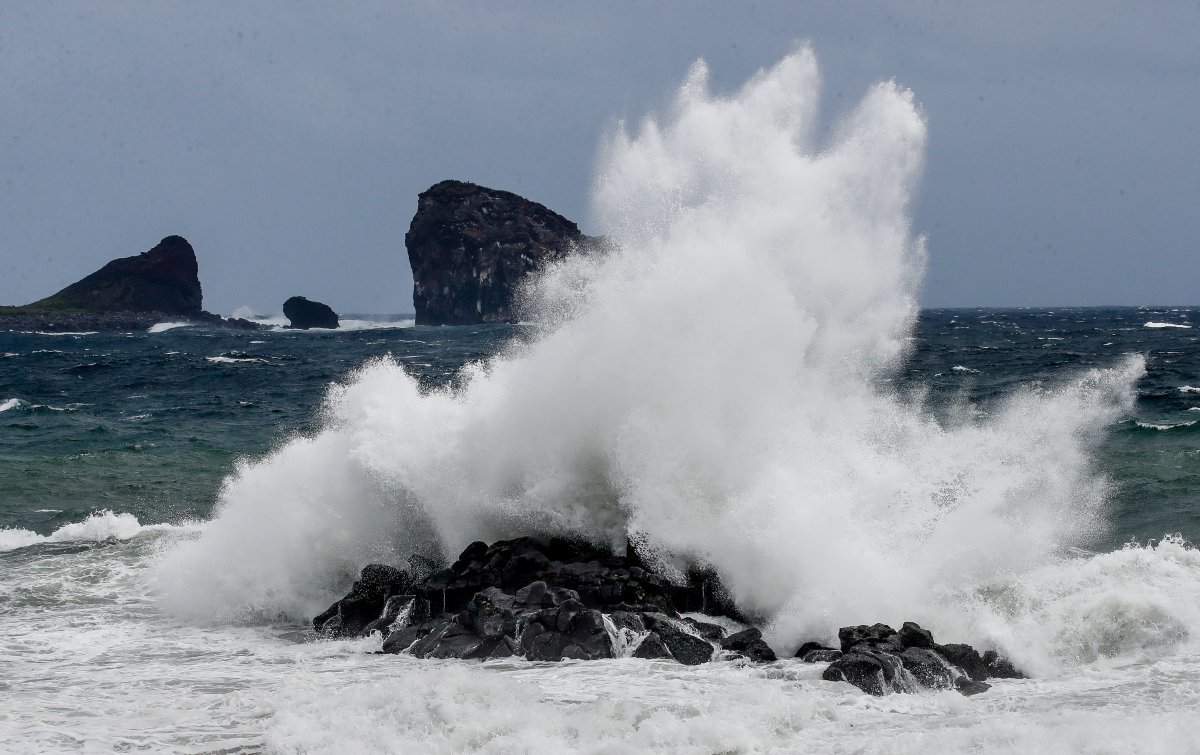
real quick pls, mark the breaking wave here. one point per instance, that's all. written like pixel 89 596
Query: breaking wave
pixel 98 527
pixel 715 388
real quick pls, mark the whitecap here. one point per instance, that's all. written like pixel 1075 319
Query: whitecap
pixel 1166 325
pixel 11 403
pixel 165 326
pixel 960 368
pixel 235 360
pixel 1188 389
pixel 1164 426
pixel 98 527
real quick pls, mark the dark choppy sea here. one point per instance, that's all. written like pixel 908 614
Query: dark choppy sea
pixel 150 424
pixel 114 449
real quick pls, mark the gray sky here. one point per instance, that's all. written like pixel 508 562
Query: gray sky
pixel 288 141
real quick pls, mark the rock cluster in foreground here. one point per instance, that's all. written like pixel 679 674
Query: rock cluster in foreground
pixel 878 659
pixel 551 601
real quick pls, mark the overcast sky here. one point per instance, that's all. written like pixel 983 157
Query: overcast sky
pixel 288 141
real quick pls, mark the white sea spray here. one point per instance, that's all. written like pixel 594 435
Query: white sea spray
pixel 713 387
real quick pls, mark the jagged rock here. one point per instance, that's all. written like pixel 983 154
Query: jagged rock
pixel 913 636
pixel 872 672
pixel 602 580
pixel 710 632
pixel 1000 668
pixel 878 660
pixel 703 592
pixel 965 657
pixel 303 314
pixel 350 616
pixel 470 247
pixel 815 652
pixel 652 648
pixel 688 649
pixel 876 635
pixel 750 644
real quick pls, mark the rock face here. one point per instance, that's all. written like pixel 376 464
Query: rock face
pixel 304 314
pixel 470 247
pixel 877 659
pixel 164 279
pixel 543 601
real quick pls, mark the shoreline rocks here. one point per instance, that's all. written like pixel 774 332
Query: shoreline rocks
pixel 557 599
pixel 878 659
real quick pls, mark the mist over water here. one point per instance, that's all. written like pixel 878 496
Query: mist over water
pixel 719 388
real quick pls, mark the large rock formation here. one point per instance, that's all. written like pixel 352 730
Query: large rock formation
pixel 304 314
pixel 164 279
pixel 129 293
pixel 557 599
pixel 470 247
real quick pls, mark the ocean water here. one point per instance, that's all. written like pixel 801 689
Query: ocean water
pixel 744 380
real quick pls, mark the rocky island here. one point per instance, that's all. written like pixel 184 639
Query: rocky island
pixel 129 293
pixel 303 314
pixel 470 247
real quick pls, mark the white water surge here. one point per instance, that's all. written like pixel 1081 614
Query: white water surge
pixel 718 388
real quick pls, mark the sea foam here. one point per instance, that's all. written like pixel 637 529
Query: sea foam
pixel 760 436
pixel 97 527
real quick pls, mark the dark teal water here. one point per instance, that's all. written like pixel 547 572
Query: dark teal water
pixel 150 423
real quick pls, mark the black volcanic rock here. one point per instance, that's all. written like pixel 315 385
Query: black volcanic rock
pixel 303 314
pixel 164 279
pixel 470 247
pixel 543 600
pixel 877 659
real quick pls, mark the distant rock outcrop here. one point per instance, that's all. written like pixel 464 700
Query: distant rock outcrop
pixel 470 247
pixel 304 314
pixel 164 279
pixel 129 293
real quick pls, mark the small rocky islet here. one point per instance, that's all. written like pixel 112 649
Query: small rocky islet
pixel 556 599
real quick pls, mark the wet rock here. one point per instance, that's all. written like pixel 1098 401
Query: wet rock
pixel 873 636
pixel 392 609
pixel 710 632
pixel 686 648
pixel 968 686
pixel 999 667
pixel 750 644
pixel 350 616
pixel 878 660
pixel 966 658
pixel 872 672
pixel 815 652
pixel 913 636
pixel 652 647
